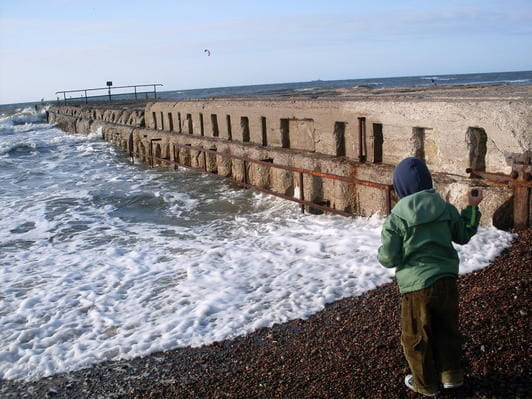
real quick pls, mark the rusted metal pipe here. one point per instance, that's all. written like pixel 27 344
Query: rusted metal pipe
pixel 521 169
pixel 521 208
pixel 500 179
pixel 301 192
pixel 362 149
pixel 388 201
pixel 382 186
pixel 301 201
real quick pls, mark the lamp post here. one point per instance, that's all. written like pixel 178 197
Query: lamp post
pixel 109 84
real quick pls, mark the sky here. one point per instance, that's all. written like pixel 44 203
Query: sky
pixel 47 46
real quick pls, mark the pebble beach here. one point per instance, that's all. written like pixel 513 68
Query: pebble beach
pixel 351 349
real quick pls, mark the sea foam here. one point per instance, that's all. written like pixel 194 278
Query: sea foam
pixel 105 260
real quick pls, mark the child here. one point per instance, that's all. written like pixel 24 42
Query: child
pixel 417 240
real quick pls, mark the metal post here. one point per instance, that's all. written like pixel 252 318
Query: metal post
pixel 388 203
pixel 245 173
pixel 175 157
pixel 135 87
pixel 301 192
pixel 64 95
pixel 205 160
pixel 109 92
pixel 155 91
pixel 131 146
pixel 362 139
pixel 86 97
pixel 521 174
pixel 151 151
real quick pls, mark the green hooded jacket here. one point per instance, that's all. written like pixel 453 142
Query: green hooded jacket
pixel 417 239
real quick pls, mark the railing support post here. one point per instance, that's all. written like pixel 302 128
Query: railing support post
pixel 301 192
pixel 130 145
pixel 388 200
pixel 151 151
pixel 521 174
pixel 362 150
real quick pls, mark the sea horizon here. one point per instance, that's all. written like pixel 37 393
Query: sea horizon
pixel 508 77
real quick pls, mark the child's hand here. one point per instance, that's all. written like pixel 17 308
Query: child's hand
pixel 475 196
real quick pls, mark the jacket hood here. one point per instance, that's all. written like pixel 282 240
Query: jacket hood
pixel 410 176
pixel 422 207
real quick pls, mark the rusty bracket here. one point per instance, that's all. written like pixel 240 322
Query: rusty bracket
pixel 520 180
pixel 516 178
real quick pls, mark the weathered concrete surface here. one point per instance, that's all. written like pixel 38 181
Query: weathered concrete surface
pixel 84 116
pixel 451 128
pixel 433 124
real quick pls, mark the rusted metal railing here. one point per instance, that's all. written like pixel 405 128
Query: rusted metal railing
pixel 387 188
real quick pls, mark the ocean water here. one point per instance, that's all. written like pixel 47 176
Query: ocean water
pixel 512 78
pixel 102 259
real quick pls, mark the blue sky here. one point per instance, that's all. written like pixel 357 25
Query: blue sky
pixel 53 45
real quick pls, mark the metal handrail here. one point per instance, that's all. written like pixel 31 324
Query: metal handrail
pixel 109 94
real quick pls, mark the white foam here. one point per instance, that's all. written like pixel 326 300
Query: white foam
pixel 26 116
pixel 485 246
pixel 69 306
pixel 436 78
pixel 105 260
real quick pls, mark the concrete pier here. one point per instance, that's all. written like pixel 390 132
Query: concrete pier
pixel 354 133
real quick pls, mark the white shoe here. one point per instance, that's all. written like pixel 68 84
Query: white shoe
pixel 450 385
pixel 409 382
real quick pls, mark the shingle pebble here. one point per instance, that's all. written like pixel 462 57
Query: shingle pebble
pixel 350 349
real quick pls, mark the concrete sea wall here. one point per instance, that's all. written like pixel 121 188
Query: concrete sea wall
pixel 357 136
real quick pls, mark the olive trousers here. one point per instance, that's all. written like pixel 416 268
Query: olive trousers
pixel 430 337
